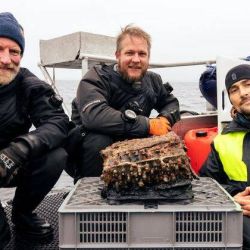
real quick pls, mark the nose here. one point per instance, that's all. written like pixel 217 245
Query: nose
pixel 136 57
pixel 244 91
pixel 5 56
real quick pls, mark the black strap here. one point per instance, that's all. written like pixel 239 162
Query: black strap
pixel 246 155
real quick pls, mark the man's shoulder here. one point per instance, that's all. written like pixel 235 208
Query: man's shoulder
pixel 26 72
pixel 152 78
pixel 29 78
pixel 28 82
pixel 104 70
pixel 152 75
pixel 233 126
pixel 98 73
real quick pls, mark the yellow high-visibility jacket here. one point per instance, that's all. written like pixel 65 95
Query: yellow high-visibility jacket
pixel 229 159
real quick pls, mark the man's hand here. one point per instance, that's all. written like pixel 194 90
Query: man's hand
pixel 159 126
pixel 243 198
pixel 11 158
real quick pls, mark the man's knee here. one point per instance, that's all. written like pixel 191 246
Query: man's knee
pixel 85 158
pixel 52 163
pixel 90 162
pixel 96 142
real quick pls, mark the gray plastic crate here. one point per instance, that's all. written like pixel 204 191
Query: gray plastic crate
pixel 212 220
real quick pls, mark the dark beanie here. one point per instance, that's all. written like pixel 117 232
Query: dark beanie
pixel 236 74
pixel 10 28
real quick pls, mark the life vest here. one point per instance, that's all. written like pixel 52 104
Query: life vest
pixel 230 149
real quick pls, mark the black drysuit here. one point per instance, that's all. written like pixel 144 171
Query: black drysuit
pixel 24 102
pixel 102 97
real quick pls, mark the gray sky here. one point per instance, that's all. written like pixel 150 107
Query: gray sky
pixel 181 30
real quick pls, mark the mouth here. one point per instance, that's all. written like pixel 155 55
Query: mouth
pixel 6 68
pixel 245 101
pixel 135 67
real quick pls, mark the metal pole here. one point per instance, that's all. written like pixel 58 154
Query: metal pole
pixel 85 64
pixel 51 82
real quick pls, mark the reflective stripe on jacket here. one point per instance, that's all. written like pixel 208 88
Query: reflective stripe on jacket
pixel 230 149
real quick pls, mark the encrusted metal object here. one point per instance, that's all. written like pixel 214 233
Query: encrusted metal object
pixel 159 161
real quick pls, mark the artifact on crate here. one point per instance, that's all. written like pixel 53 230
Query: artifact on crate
pixel 147 169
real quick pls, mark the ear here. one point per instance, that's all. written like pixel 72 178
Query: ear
pixel 117 54
pixel 233 112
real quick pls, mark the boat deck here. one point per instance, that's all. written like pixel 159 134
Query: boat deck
pixel 53 202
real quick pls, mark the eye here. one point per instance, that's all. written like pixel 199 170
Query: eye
pixel 142 54
pixel 232 90
pixel 15 52
pixel 129 53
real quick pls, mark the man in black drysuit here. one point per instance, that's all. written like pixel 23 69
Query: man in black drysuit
pixel 114 102
pixel 30 160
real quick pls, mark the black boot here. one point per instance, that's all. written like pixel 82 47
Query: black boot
pixel 32 227
pixel 4 229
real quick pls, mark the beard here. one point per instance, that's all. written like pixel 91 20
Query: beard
pixel 245 112
pixel 8 73
pixel 131 79
pixel 244 106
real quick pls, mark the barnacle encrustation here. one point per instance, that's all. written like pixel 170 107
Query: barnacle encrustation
pixel 158 163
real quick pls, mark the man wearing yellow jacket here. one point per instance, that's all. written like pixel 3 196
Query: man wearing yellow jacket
pixel 229 160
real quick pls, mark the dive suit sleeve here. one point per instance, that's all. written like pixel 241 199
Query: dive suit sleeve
pixel 46 114
pixel 167 104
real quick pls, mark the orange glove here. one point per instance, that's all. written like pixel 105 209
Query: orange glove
pixel 159 126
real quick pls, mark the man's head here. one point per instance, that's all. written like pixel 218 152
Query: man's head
pixel 11 47
pixel 238 86
pixel 132 53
